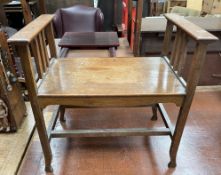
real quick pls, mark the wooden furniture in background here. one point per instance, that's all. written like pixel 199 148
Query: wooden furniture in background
pixel 16 11
pixel 136 42
pixel 10 90
pixel 154 8
pixel 90 40
pixel 135 11
pixel 16 6
pixel 123 50
pixel 3 19
pixel 101 82
pixel 42 6
pixel 26 11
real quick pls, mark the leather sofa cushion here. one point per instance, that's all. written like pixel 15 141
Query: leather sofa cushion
pixel 78 18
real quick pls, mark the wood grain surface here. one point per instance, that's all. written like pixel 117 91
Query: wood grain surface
pixel 89 40
pixel 123 50
pixel 110 77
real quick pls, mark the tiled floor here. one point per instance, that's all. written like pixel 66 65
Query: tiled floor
pixel 199 153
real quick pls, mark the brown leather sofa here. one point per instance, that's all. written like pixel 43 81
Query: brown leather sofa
pixel 78 18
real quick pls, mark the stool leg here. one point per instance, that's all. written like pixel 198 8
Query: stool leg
pixel 41 128
pixel 181 121
pixel 154 110
pixel 62 112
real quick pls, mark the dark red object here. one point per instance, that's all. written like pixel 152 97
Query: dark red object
pixel 78 18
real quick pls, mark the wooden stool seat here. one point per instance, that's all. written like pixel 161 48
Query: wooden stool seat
pixel 113 77
pixel 123 50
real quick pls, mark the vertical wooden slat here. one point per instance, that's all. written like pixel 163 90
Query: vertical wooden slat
pixel 26 11
pixel 180 50
pixel 176 46
pixel 45 47
pixel 3 17
pixel 167 39
pixel 24 53
pixel 183 53
pixel 37 56
pixel 42 6
pixel 138 21
pixel 51 42
pixel 129 22
pixel 62 113
pixel 154 111
pixel 41 49
pixel 172 57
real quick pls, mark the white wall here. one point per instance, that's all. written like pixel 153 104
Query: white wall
pixel 195 4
